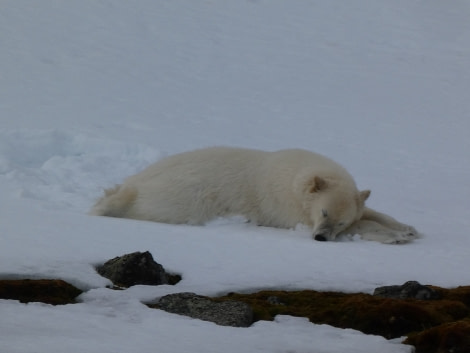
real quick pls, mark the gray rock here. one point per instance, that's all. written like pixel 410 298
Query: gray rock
pixel 132 269
pixel 273 300
pixel 227 313
pixel 409 290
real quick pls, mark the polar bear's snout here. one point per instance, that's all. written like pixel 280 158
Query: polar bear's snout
pixel 323 234
pixel 319 237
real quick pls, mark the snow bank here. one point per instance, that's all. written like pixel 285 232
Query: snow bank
pixel 66 170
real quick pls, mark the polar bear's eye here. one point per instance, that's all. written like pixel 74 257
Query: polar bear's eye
pixel 340 224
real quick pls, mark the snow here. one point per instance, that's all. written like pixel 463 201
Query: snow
pixel 93 91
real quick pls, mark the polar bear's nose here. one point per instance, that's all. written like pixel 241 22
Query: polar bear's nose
pixel 320 237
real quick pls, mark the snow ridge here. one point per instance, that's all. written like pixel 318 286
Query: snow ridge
pixel 67 170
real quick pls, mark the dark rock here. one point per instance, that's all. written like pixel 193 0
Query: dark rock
pixel 273 300
pixel 409 290
pixel 47 291
pixel 173 278
pixel 132 269
pixel 226 313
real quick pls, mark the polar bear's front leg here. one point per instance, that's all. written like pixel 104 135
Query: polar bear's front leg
pixel 372 230
pixel 380 227
pixel 388 222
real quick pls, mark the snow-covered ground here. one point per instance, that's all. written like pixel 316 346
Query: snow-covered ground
pixel 92 91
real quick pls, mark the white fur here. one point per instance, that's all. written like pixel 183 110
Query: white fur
pixel 278 189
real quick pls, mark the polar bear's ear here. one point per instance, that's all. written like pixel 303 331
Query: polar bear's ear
pixel 316 184
pixel 364 195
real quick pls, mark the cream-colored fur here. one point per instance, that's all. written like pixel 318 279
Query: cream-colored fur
pixel 277 189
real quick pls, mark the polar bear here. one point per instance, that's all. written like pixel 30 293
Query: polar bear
pixel 276 189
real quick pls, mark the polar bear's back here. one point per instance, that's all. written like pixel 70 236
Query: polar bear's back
pixel 219 160
pixel 296 160
pixel 227 165
pixel 194 187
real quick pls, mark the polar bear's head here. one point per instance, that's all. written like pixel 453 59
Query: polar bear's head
pixel 333 205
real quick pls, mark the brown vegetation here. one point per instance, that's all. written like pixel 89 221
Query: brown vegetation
pixel 48 291
pixel 432 326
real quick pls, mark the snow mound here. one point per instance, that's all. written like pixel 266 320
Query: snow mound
pixel 64 169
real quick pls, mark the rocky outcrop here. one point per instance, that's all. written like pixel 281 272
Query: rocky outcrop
pixel 49 291
pixel 409 290
pixel 434 319
pixel 135 268
pixel 432 326
pixel 225 313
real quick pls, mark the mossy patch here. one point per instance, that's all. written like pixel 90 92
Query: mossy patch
pixel 49 291
pixel 449 337
pixel 387 317
pixel 432 326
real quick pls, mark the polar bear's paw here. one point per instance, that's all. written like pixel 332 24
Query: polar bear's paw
pixel 397 240
pixel 403 229
pixel 400 237
pixel 412 232
pixel 391 236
